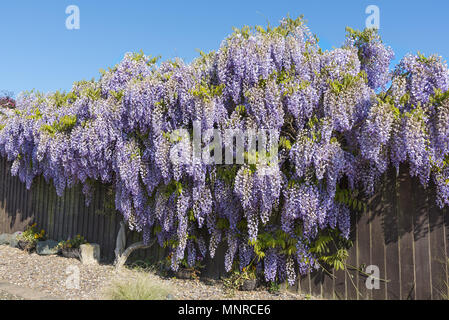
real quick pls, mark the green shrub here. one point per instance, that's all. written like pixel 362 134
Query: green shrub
pixel 32 235
pixel 72 243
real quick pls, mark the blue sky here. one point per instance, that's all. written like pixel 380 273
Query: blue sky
pixel 38 52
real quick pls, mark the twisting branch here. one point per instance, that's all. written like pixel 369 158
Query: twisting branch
pixel 121 259
pixel 121 255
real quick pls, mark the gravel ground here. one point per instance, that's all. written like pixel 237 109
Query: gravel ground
pixel 6 296
pixel 49 275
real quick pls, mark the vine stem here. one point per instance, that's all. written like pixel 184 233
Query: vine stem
pixel 121 260
pixel 366 274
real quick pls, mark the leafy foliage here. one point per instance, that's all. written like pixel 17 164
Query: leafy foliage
pixel 32 235
pixel 73 243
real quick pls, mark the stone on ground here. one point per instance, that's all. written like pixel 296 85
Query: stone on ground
pixel 90 253
pixel 5 239
pixel 47 248
pixel 14 243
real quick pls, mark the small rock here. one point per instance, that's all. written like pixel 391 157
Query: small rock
pixel 184 274
pixel 14 242
pixel 170 297
pixel 249 285
pixel 208 281
pixel 5 239
pixel 90 253
pixel 47 248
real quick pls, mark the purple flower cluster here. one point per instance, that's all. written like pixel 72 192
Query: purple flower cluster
pixel 335 132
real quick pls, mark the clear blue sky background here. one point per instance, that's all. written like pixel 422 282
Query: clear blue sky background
pixel 39 52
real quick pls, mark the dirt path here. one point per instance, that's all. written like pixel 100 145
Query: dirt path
pixel 6 296
pixel 13 292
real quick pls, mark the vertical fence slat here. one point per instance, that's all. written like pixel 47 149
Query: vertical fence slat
pixel 106 230
pixel 14 197
pixel 8 209
pixel 304 284
pixel 52 201
pixel 351 274
pixel 44 196
pixel 19 199
pixel 91 212
pixel 22 200
pixel 58 217
pixel 70 208
pixel 339 291
pixel 80 213
pixel 100 222
pixel 437 249
pixel 114 228
pixel 423 278
pixel 391 237
pixel 75 210
pixel 71 212
pixel 328 285
pixel 405 222
pixel 65 214
pixel 4 195
pixel 33 192
pixel 316 282
pixel 378 250
pixel 85 211
pixel 28 204
pixel 446 242
pixel 38 202
pixel 3 213
pixel 363 255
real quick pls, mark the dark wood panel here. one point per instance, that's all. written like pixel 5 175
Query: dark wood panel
pixel 70 205
pixel 57 221
pixel 438 263
pixel 446 237
pixel 82 212
pixel 391 237
pixel 316 283
pixel 363 255
pixel 45 205
pixel 114 227
pixel 52 201
pixel 339 292
pixel 405 224
pixel 79 207
pixel 3 213
pixel 66 232
pixel 304 284
pixel 350 274
pixel 328 285
pixel 378 252
pixel 8 211
pixel 423 278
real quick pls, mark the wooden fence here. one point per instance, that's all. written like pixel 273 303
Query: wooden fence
pixel 404 234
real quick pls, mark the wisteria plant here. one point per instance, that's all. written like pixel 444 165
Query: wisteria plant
pixel 342 117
